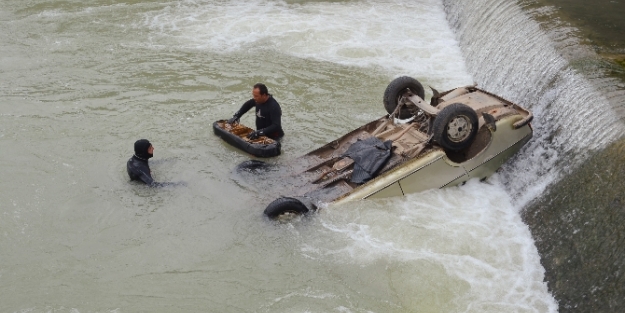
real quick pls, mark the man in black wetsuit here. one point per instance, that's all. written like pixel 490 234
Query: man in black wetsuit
pixel 268 113
pixel 138 167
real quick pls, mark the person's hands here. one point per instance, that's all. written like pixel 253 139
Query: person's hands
pixel 255 134
pixel 234 119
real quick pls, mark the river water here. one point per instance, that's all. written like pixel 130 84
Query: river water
pixel 82 80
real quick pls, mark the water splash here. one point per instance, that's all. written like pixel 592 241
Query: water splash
pixel 470 237
pixel 508 53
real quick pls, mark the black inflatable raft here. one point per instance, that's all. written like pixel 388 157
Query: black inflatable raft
pixel 235 135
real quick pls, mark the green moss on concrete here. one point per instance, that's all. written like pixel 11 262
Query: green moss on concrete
pixel 579 229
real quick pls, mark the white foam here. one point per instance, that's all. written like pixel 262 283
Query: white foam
pixel 401 37
pixel 474 232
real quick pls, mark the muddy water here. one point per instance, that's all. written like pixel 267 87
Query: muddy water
pixel 80 81
pixel 585 28
pixel 599 22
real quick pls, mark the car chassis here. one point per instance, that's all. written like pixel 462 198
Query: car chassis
pixel 461 134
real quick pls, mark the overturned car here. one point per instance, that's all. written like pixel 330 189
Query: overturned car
pixel 461 134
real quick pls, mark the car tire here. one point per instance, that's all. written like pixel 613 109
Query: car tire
pixel 396 89
pixel 285 205
pixel 455 127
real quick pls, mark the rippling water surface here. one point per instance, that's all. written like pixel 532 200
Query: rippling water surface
pixel 82 80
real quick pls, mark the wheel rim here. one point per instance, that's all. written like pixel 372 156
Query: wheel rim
pixel 459 128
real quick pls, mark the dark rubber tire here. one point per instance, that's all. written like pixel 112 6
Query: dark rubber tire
pixel 285 205
pixel 455 127
pixel 396 89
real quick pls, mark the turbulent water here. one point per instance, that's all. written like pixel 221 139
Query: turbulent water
pixel 576 113
pixel 82 80
pixel 579 100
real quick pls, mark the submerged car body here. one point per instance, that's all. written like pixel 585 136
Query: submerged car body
pixel 441 144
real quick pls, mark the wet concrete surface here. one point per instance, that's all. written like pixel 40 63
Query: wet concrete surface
pixel 579 229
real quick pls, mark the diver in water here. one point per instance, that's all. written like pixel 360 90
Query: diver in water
pixel 138 167
pixel 268 114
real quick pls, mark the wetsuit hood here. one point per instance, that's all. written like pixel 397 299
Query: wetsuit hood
pixel 141 149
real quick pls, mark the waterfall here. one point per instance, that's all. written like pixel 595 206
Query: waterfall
pixel 510 54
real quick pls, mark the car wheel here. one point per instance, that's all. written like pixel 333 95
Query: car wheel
pixel 283 206
pixel 396 89
pixel 455 127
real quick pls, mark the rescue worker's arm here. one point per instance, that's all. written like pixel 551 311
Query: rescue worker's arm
pixel 244 108
pixel 144 177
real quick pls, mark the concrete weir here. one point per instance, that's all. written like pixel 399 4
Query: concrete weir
pixel 579 229
pixel 572 192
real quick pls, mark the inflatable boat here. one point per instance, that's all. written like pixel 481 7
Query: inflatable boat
pixel 236 135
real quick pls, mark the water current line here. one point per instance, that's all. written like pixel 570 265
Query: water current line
pixel 509 54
